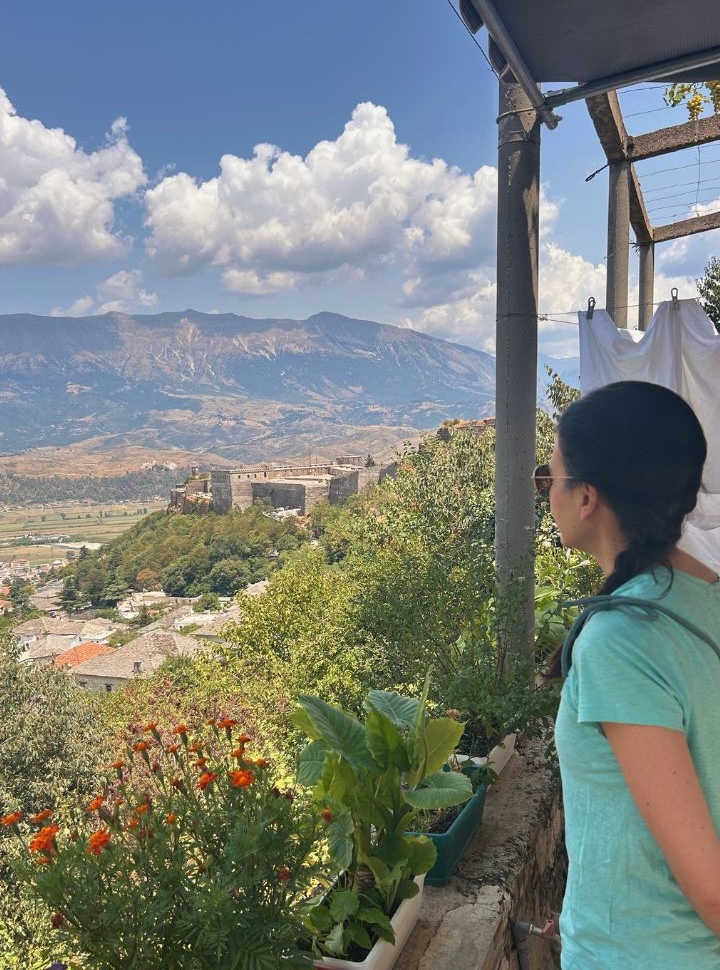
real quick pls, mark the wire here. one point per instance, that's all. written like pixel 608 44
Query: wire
pixel 473 37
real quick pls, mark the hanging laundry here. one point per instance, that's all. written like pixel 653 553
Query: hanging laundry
pixel 680 350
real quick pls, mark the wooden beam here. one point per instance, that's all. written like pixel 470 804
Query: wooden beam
pixel 688 227
pixel 607 118
pixel 673 139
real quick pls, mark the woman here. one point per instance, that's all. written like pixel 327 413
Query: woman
pixel 638 730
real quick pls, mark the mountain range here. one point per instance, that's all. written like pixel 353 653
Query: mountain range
pixel 229 388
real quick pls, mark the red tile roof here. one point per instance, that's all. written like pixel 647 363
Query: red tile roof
pixel 81 653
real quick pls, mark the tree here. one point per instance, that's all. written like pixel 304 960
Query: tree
pixel 20 592
pixel 709 289
pixel 71 598
pixel 369 461
pixel 49 752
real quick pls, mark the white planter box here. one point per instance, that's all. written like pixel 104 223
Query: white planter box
pixel 383 955
pixel 498 757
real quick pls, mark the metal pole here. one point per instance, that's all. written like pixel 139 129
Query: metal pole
pixel 516 356
pixel 647 284
pixel 618 248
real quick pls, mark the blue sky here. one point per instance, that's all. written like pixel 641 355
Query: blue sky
pixel 131 177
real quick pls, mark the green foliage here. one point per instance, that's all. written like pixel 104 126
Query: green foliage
pixel 709 289
pixel 23 490
pixel 372 777
pixel 186 555
pixel 49 751
pixel 696 96
pixel 190 857
pixel 208 601
pixel 303 632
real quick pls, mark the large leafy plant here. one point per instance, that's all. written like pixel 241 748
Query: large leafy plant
pixel 372 778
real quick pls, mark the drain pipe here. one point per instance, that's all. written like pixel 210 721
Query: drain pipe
pixel 521 933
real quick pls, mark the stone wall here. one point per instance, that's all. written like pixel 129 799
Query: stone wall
pixel 514 870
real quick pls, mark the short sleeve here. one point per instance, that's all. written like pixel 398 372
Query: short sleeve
pixel 624 672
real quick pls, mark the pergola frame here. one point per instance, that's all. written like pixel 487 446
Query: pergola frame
pixel 523 108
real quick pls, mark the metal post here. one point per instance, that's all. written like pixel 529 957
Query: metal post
pixel 618 248
pixel 647 284
pixel 516 357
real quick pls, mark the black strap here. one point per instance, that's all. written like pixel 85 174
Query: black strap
pixel 598 604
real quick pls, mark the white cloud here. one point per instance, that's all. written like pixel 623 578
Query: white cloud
pixel 352 206
pixel 120 293
pixel 56 200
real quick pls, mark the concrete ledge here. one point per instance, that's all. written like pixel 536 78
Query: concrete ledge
pixel 514 869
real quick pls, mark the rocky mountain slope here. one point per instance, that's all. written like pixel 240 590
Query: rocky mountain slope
pixel 241 389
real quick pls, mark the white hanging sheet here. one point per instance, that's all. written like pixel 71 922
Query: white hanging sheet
pixel 680 350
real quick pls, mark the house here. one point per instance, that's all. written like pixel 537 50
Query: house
pixel 138 658
pixel 82 652
pixel 72 632
pixel 44 649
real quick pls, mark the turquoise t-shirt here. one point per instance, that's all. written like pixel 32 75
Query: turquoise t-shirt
pixel 623 910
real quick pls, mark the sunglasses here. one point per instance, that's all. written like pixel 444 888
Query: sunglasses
pixel 543 479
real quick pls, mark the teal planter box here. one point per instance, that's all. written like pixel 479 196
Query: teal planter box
pixel 451 845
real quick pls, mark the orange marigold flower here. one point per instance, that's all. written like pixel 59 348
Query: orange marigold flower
pixel 241 778
pixel 261 762
pixel 133 823
pixel 42 860
pixel 141 809
pixel 179 729
pixel 211 722
pixel 172 748
pixel 97 842
pixel 227 723
pixel 178 783
pixel 243 738
pixel 196 747
pixel 151 726
pixel 142 745
pixel 44 840
pixel 11 819
pixel 327 815
pixel 237 753
pixel 41 816
pixel 117 765
pixel 171 818
pixel 205 779
pixel 95 803
pixel 200 763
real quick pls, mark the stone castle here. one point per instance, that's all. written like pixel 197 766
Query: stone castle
pixel 286 486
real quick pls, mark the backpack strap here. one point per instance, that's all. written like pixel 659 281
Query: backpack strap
pixel 599 604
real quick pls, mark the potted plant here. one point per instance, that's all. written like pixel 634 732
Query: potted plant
pixel 371 778
pixel 189 858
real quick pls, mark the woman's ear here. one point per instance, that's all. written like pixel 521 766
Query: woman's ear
pixel 589 500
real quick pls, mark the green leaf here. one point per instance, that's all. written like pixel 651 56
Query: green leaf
pixel 343 733
pixel 302 722
pixel 344 903
pixel 441 737
pixel 441 790
pixel 340 840
pixel 407 888
pixel 421 853
pixel 401 711
pixel 384 741
pixel 312 762
pixel 334 942
pixel 358 934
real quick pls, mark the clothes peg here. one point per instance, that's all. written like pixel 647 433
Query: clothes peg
pixel 590 308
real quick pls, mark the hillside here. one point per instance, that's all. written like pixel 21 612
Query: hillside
pixel 238 389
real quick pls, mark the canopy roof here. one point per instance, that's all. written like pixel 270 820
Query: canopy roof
pixel 599 45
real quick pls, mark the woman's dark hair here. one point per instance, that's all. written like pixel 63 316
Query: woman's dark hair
pixel 642 447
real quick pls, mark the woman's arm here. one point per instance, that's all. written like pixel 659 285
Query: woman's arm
pixel 661 776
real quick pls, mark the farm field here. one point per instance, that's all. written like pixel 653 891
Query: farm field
pixel 76 523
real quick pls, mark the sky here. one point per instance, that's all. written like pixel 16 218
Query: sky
pixel 278 159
